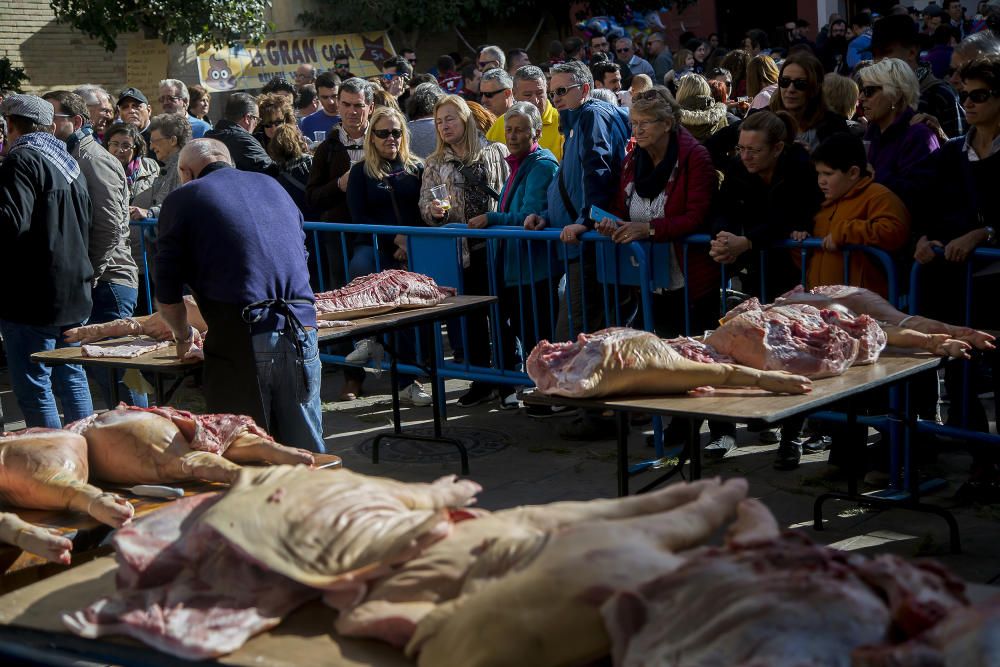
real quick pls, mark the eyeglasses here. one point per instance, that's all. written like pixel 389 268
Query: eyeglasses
pixel 483 64
pixel 561 92
pixel 870 91
pixel 979 96
pixel 643 124
pixel 62 115
pixel 746 150
pixel 412 61
pixel 624 49
pixel 119 147
pixel 254 118
pixel 273 123
pixel 800 84
pixel 341 65
pixel 170 98
pixel 389 76
pixel 490 95
pixel 385 134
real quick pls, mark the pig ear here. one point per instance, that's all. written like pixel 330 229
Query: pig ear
pixel 624 615
pixel 186 424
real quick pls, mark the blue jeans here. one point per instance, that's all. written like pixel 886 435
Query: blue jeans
pixel 289 388
pixel 32 383
pixel 112 302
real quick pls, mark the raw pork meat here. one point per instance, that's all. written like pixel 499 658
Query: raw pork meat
pixel 126 350
pixel 131 445
pixel 152 326
pixel 394 287
pixel 628 361
pixel 185 591
pixel 545 608
pixel 47 469
pixel 200 577
pixel 44 542
pixel 791 338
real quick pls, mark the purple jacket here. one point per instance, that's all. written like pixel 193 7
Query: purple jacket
pixel 893 153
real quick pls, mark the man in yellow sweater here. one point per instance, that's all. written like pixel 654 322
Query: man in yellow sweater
pixel 530 86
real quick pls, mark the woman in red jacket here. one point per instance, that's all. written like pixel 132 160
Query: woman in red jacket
pixel 666 190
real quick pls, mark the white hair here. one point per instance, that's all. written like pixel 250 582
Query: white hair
pixel 896 79
pixel 199 153
pixel 91 93
pixel 495 53
pixel 179 85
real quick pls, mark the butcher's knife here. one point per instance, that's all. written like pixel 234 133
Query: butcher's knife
pixel 156 491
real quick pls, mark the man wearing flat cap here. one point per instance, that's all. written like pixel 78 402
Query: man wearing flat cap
pixel 133 108
pixel 45 271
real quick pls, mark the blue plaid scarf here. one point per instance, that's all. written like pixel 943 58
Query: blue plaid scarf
pixel 52 149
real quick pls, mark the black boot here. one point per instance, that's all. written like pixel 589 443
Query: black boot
pixel 789 455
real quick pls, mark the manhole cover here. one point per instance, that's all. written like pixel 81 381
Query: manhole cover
pixel 479 442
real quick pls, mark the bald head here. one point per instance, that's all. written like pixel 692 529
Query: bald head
pixel 198 154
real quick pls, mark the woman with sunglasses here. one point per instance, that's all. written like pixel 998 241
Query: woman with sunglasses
pixel 889 97
pixel 952 195
pixel 274 110
pixel 800 93
pixel 472 171
pixel 666 189
pixel 384 189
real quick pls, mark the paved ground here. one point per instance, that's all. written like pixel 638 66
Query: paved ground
pixel 520 460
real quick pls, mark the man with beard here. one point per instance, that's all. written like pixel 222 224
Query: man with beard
pixel 102 110
pixel 833 53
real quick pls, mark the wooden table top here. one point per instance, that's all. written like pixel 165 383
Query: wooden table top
pixel 742 405
pixel 306 636
pixel 165 359
pixel 87 533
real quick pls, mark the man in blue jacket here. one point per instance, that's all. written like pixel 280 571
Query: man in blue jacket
pixel 236 239
pixel 596 135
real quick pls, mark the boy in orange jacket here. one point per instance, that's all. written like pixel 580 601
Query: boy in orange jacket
pixel 856 210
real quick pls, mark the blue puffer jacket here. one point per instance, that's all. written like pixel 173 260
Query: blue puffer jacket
pixel 527 195
pixel 596 136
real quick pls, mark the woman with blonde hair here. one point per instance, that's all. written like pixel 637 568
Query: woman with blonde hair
pixel 384 189
pixel 701 115
pixel 841 96
pixel 762 80
pixel 890 93
pixel 472 172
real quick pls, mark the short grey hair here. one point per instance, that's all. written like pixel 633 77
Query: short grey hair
pixel 181 87
pixel 580 72
pixel 239 105
pixel 983 43
pixel 526 110
pixel 495 53
pixel 172 125
pixel 604 95
pixel 357 86
pixel 530 73
pixel 422 100
pixel 500 76
pixel 202 152
pixel 91 93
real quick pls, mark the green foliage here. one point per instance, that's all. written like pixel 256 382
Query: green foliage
pixel 11 77
pixel 212 22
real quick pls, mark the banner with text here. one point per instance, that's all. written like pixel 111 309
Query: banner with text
pixel 250 66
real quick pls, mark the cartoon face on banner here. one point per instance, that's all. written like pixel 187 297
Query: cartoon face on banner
pixel 220 76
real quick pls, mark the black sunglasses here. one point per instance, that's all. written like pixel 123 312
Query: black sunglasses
pixel 489 96
pixel 273 123
pixel 624 49
pixel 869 91
pixel 800 84
pixel 385 134
pixel 979 96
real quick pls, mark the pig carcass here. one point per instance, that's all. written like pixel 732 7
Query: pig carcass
pixel 47 469
pixel 628 361
pixel 394 288
pixel 130 445
pixel 153 326
pixel 200 577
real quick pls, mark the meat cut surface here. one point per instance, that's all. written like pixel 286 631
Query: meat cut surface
pixel 125 350
pixel 48 469
pixel 793 338
pixel 619 361
pixel 394 287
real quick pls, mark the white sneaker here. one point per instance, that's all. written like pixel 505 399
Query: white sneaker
pixel 509 402
pixel 363 350
pixel 415 395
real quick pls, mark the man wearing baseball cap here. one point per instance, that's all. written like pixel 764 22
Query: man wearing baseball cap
pixel 133 107
pixel 45 271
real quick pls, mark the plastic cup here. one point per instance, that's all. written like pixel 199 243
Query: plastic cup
pixel 440 194
pixel 319 136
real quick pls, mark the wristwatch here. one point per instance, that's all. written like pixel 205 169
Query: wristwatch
pixel 991 234
pixel 652 230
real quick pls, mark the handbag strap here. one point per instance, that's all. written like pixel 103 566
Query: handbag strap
pixel 567 202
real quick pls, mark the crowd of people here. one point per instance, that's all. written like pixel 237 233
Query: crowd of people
pixel 881 132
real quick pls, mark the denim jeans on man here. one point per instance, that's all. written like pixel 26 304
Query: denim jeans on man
pixel 289 388
pixel 34 384
pixel 112 302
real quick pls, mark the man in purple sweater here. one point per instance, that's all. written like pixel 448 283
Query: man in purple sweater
pixel 235 239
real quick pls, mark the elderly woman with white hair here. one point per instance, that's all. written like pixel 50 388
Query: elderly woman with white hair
pixel 889 97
